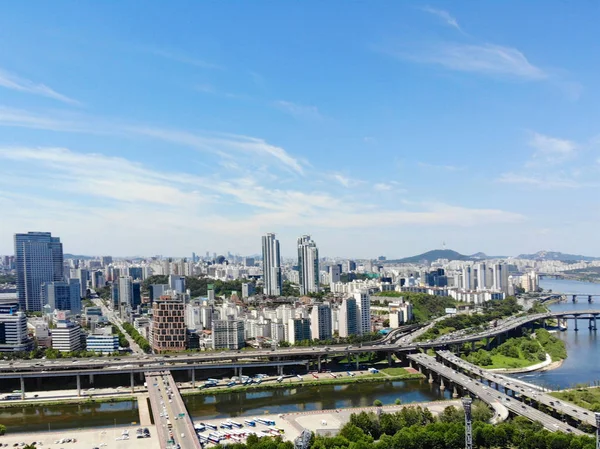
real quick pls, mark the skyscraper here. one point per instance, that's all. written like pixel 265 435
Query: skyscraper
pixel 126 290
pixel 481 276
pixel 308 265
pixel 61 295
pixel 467 277
pixel 271 265
pixel 39 259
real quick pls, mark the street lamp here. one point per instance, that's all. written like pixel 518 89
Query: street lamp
pixel 467 401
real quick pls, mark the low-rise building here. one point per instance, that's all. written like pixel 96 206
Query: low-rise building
pixel 228 334
pixel 66 337
pixel 14 336
pixel 102 343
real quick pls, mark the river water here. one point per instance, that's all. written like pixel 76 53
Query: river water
pixel 582 364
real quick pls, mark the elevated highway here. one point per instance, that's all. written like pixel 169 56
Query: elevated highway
pixel 576 413
pixel 489 395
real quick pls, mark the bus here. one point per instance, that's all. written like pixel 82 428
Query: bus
pixel 250 423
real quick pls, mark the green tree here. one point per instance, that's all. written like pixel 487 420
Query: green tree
pixel 377 403
pixel 2 429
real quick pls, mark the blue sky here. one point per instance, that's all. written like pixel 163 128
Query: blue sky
pixel 387 128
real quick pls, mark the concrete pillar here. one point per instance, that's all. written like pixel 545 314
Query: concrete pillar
pixel 595 327
pixel 132 381
pixel 78 385
pixel 591 323
pixel 319 363
pixel 442 386
pixel 389 357
pixel 590 299
pixel 454 393
pixel 280 370
pixel 487 343
pixel 473 345
pixel 240 372
pixel 91 378
pixel 357 361
pixel 22 387
pixel 576 328
pixel 574 298
pixel 193 378
pixel 430 378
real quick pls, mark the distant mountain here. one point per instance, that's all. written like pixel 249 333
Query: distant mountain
pixel 431 256
pixel 482 256
pixel 76 256
pixel 552 255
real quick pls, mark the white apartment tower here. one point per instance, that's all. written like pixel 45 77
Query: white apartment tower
pixel 481 276
pixel 363 306
pixel 467 277
pixel 271 265
pixel 308 264
pixel 320 322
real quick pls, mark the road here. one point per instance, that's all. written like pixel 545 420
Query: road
pixel 493 397
pixel 564 408
pixel 169 411
pixel 116 320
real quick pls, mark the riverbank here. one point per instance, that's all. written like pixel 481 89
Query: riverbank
pixel 28 403
pixel 588 397
pixel 546 365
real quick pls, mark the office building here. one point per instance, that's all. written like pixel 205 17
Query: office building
pixel 320 322
pixel 272 280
pixel 102 343
pixel 61 295
pixel 83 275
pixel 66 337
pixel 136 291
pixel 335 272
pixel 114 295
pixel 125 290
pixel 13 329
pixel 348 318
pixel 298 330
pixel 247 290
pixel 308 265
pixel 228 334
pixel 97 278
pixel 39 259
pixel 193 316
pixel 157 290
pixel 168 325
pixel 363 305
pixel 177 283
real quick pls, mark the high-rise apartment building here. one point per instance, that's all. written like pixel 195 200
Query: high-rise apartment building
pixel 363 305
pixel 61 295
pixel 320 322
pixel 335 272
pixel 168 330
pixel 39 259
pixel 500 277
pixel 348 318
pixel 271 265
pixel 467 278
pixel 308 265
pixel 126 290
pixel 298 330
pixel 481 276
pixel 228 334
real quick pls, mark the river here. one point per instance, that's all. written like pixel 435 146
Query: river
pixel 583 348
pixel 225 405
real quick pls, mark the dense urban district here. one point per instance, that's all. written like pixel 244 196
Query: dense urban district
pixel 298 320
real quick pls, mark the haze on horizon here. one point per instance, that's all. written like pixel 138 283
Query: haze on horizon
pixel 380 129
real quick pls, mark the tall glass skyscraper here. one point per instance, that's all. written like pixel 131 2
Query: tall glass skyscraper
pixel 308 264
pixel 271 265
pixel 39 259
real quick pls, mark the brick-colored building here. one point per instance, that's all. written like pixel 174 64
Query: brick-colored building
pixel 168 332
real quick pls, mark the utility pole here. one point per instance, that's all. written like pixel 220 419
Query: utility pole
pixel 468 428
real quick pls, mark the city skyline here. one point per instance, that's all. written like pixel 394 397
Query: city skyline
pixel 400 127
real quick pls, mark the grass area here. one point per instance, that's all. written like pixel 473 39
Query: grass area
pixel 394 371
pixel 584 397
pixel 502 361
pixel 82 400
pixel 377 377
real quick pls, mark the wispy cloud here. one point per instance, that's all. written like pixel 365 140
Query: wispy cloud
pixel 298 110
pixel 185 59
pixel 382 187
pixel 444 15
pixel 439 167
pixel 212 90
pixel 549 181
pixel 343 180
pixel 224 145
pixel 487 59
pixel 552 150
pixel 14 82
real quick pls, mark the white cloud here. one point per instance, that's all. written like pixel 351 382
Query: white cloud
pixel 212 90
pixel 548 181
pixel 298 110
pixel 14 82
pixel 382 187
pixel 488 59
pixel 444 15
pixel 551 149
pixel 343 180
pixel 224 145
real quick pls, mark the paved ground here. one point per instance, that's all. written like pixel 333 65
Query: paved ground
pixel 86 439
